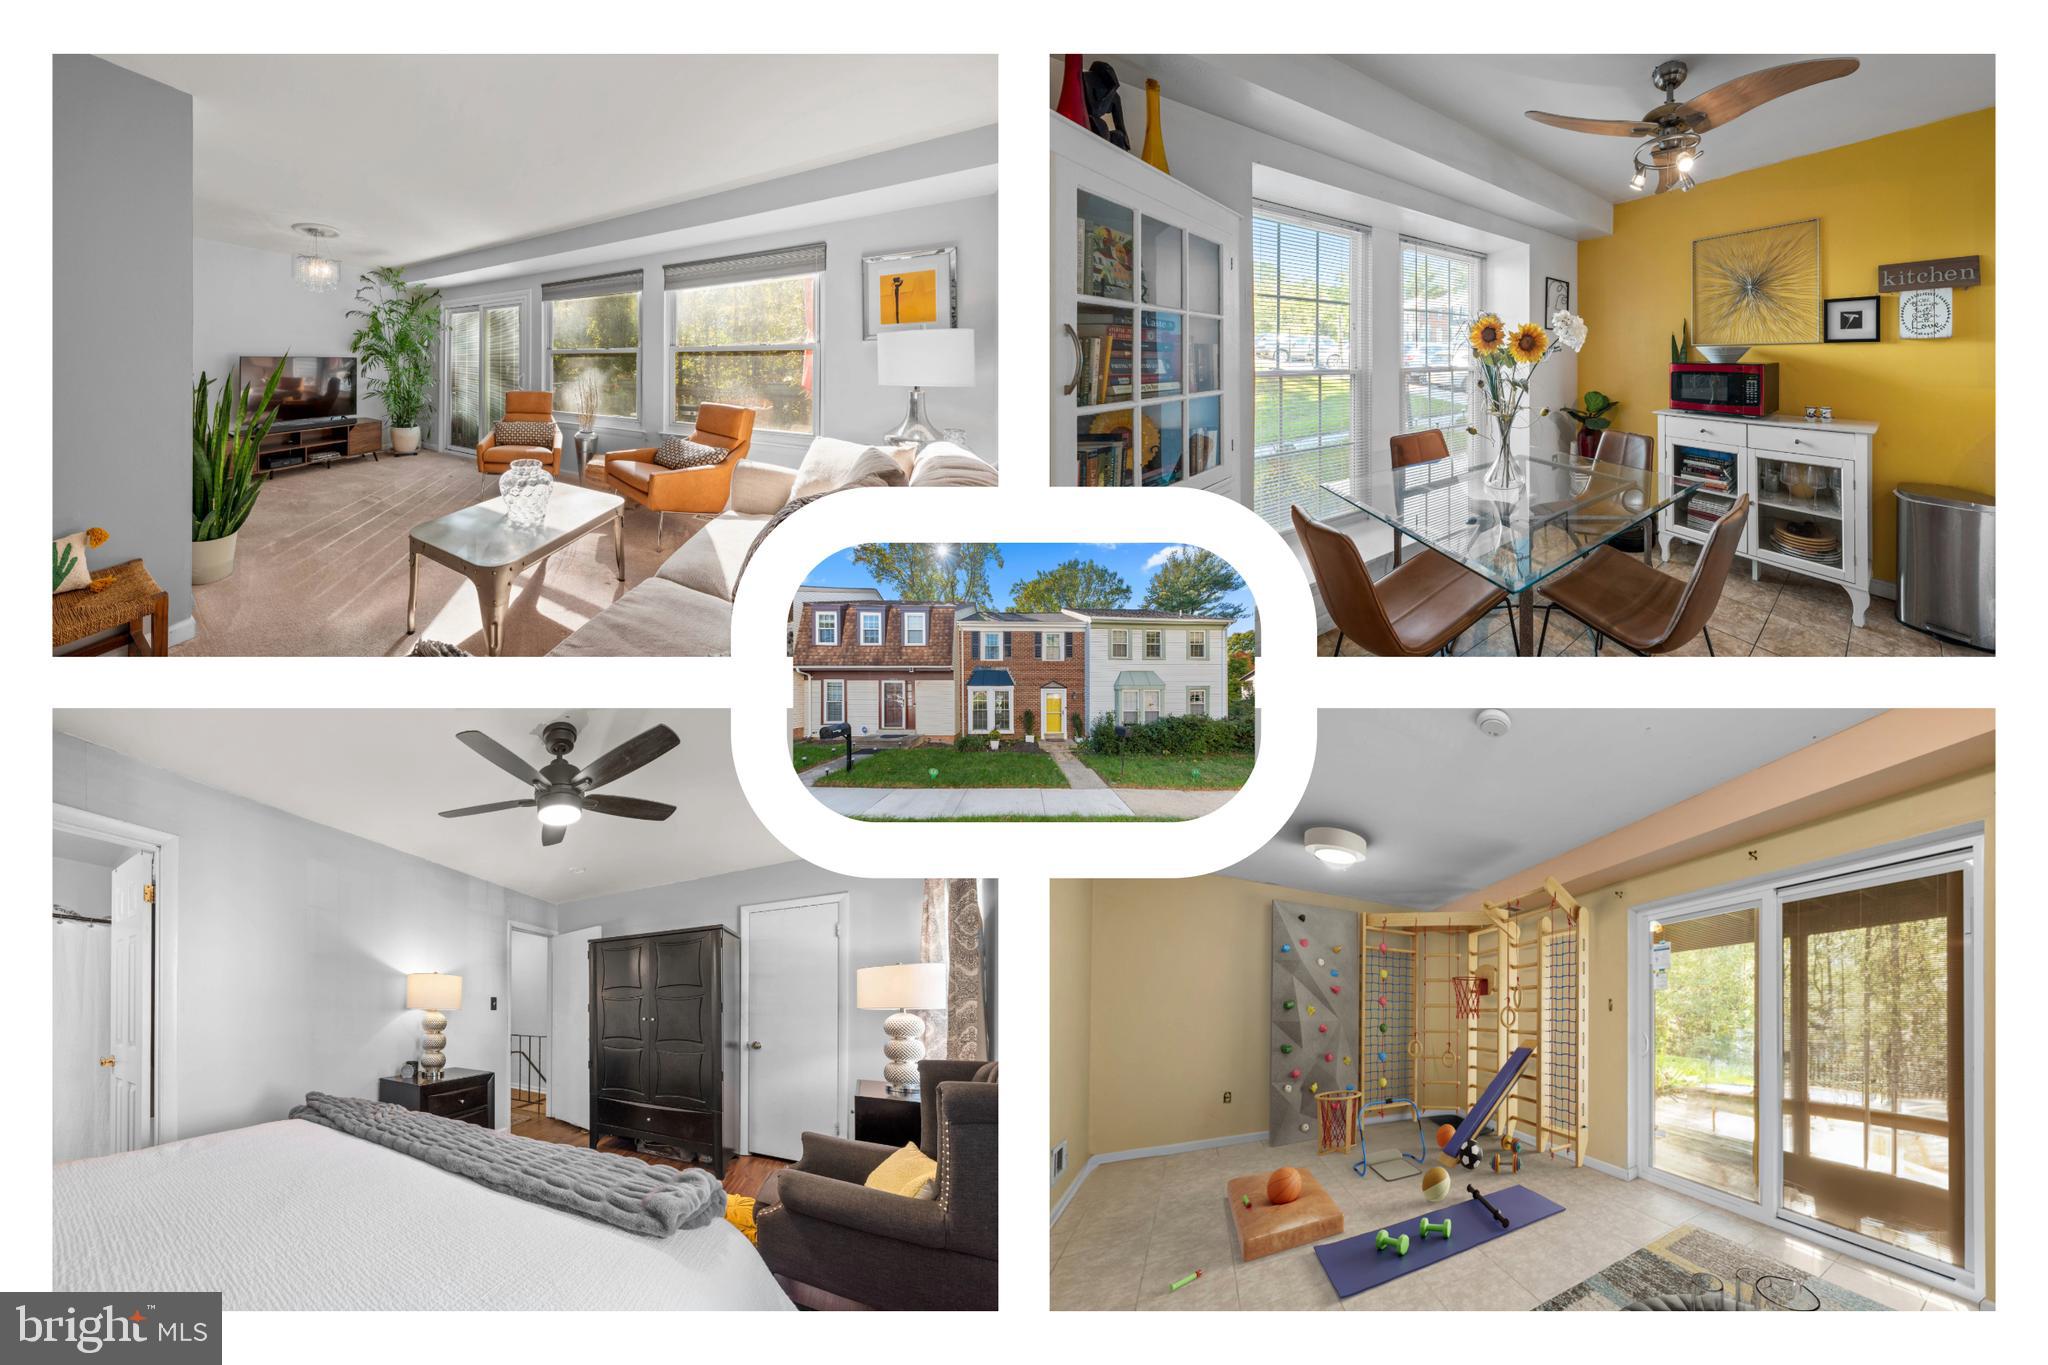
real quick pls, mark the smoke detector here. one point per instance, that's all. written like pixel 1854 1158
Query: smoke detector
pixel 1493 722
pixel 1335 847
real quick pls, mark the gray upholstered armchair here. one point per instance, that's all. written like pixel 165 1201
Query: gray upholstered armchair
pixel 832 1241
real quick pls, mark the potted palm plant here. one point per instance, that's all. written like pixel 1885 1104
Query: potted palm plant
pixel 395 342
pixel 225 480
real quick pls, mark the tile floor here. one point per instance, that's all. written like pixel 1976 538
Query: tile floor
pixel 1780 614
pixel 1137 1226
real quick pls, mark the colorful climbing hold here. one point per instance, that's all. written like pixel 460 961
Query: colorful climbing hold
pixel 1311 1009
pixel 1383 945
pixel 1329 1056
pixel 1383 973
pixel 1287 947
pixel 1314 1086
pixel 1288 1088
pixel 1383 1002
pixel 1383 1056
pixel 1286 1048
pixel 1333 971
pixel 1383 1028
pixel 1335 990
pixel 1304 943
pixel 1383 1082
pixel 1288 1006
pixel 1295 1074
pixel 1322 1028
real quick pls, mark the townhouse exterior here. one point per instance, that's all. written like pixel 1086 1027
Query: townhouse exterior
pixel 884 667
pixel 1010 662
pixel 1144 664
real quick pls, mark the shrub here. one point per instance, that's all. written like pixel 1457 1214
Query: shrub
pixel 1174 736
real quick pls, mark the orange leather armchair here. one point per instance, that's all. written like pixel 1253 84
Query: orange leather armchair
pixel 703 490
pixel 521 405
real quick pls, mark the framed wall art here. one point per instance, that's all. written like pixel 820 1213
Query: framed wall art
pixel 909 289
pixel 1758 288
pixel 1852 319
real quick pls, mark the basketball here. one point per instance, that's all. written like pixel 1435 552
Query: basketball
pixel 1443 1135
pixel 1436 1183
pixel 1284 1185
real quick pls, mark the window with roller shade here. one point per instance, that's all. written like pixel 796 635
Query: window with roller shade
pixel 743 330
pixel 594 339
pixel 1311 348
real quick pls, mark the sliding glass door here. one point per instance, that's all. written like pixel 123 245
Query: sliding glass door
pixel 483 366
pixel 1703 1007
pixel 1874 1066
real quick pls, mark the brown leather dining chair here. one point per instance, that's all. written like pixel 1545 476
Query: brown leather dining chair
pixel 1646 611
pixel 1412 448
pixel 1629 450
pixel 1417 609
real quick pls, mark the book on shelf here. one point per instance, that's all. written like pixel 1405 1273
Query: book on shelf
pixel 1101 461
pixel 1105 362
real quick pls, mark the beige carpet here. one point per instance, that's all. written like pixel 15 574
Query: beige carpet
pixel 321 567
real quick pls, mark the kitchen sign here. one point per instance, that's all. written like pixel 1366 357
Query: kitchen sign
pixel 1953 272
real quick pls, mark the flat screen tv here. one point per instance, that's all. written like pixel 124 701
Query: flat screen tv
pixel 313 388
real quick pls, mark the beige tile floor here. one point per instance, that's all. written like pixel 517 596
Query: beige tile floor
pixel 1137 1226
pixel 1779 614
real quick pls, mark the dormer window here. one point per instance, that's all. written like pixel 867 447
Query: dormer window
pixel 871 628
pixel 914 628
pixel 825 627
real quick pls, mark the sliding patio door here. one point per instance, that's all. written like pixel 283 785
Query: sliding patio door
pixel 1874 1060
pixel 1703 1007
pixel 484 364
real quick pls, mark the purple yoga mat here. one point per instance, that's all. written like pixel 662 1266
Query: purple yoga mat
pixel 1354 1265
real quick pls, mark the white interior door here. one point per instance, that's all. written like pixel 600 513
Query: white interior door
pixel 790 958
pixel 130 1125
pixel 569 978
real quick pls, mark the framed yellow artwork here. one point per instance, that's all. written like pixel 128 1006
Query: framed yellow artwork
pixel 1758 288
pixel 908 289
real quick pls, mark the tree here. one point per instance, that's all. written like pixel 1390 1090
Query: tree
pixel 1243 645
pixel 1079 583
pixel 1195 582
pixel 919 572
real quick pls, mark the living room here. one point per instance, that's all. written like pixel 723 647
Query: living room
pixel 722 317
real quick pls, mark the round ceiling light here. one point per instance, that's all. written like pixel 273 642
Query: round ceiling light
pixel 1493 722
pixel 1336 847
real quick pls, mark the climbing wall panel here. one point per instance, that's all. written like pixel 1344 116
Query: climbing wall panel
pixel 1386 1016
pixel 1313 1034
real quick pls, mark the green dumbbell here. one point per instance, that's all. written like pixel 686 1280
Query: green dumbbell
pixel 1442 1229
pixel 1385 1240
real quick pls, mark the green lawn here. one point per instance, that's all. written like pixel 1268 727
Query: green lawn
pixel 915 768
pixel 1209 772
pixel 809 753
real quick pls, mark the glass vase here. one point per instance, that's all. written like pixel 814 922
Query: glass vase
pixel 526 487
pixel 1503 472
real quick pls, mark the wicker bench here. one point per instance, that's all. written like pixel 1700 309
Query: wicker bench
pixel 121 599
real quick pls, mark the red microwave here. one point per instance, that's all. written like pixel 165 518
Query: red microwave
pixel 1732 390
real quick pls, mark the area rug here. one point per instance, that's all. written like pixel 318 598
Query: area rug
pixel 1689 1260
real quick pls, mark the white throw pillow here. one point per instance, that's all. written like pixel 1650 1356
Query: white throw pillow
pixel 945 465
pixel 830 465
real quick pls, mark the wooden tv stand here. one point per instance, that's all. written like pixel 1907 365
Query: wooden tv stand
pixel 321 443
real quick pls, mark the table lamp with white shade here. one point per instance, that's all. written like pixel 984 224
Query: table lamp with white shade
pixel 433 992
pixel 923 358
pixel 902 988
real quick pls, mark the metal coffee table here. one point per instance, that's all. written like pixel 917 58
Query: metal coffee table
pixel 481 545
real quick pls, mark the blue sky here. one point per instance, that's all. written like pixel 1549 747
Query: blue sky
pixel 1135 563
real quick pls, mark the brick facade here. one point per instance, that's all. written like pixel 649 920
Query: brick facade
pixel 888 688
pixel 1029 671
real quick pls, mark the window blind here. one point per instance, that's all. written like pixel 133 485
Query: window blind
pixel 1311 349
pixel 1442 293
pixel 755 265
pixel 593 286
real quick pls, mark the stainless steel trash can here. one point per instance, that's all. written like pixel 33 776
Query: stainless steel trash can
pixel 1947 556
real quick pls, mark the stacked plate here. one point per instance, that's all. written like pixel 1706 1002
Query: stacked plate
pixel 1807 540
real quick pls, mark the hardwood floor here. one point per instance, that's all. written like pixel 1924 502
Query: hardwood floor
pixel 744 1175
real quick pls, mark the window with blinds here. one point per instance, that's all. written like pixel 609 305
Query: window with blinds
pixel 1311 337
pixel 594 344
pixel 1441 295
pixel 743 330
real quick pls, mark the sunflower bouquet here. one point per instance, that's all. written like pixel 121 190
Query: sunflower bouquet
pixel 1508 360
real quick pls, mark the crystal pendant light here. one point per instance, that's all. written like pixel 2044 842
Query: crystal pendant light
pixel 313 270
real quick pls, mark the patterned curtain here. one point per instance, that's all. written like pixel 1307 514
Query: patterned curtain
pixel 951 933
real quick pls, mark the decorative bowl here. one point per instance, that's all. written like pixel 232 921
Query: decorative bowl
pixel 1722 355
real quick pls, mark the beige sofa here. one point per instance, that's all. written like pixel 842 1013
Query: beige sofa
pixel 686 607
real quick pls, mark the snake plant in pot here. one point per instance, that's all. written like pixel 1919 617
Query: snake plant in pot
pixel 225 481
pixel 395 341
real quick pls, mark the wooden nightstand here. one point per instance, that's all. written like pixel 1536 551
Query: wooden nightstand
pixel 460 1094
pixel 879 1116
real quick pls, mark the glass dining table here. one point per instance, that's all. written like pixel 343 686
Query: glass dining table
pixel 1561 510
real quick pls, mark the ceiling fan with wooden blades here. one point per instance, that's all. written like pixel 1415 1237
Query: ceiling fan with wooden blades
pixel 562 792
pixel 1671 132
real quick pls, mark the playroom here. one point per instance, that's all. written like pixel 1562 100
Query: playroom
pixel 1440 1046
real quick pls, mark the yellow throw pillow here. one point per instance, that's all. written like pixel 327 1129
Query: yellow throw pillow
pixel 739 1211
pixel 908 1173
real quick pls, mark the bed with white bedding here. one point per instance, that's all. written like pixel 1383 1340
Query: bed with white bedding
pixel 291 1215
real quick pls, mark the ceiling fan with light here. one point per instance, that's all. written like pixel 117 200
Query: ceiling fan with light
pixel 1672 143
pixel 562 792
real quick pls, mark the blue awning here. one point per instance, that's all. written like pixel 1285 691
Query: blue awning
pixel 990 677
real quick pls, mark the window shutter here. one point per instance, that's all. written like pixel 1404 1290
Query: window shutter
pixel 754 265
pixel 593 286
pixel 1008 645
pixel 974 643
pixel 1037 645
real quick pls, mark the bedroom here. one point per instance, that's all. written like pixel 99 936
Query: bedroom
pixel 320 940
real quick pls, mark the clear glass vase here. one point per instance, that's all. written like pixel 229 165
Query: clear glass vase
pixel 1503 472
pixel 526 487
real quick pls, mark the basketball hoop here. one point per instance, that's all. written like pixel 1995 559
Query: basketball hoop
pixel 1469 989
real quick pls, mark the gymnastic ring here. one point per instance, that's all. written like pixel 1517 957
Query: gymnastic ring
pixel 1508 1016
pixel 1414 1047
pixel 1449 1059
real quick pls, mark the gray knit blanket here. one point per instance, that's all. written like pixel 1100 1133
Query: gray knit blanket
pixel 654 1201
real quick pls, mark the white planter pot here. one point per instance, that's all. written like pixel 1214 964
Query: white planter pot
pixel 213 560
pixel 405 440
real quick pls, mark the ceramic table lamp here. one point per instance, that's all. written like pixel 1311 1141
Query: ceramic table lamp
pixel 902 988
pixel 920 359
pixel 433 992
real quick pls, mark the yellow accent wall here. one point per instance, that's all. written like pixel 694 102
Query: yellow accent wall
pixel 1073 932
pixel 1946 805
pixel 1923 193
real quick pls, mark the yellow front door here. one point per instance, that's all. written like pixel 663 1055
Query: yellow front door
pixel 1055 713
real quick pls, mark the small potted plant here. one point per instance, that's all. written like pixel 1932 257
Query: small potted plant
pixel 1030 719
pixel 1592 417
pixel 395 341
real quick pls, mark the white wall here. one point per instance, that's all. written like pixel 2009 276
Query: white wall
pixel 529 983
pixel 293 944
pixel 244 303
pixel 86 888
pixel 850 403
pixel 885 916
pixel 1177 672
